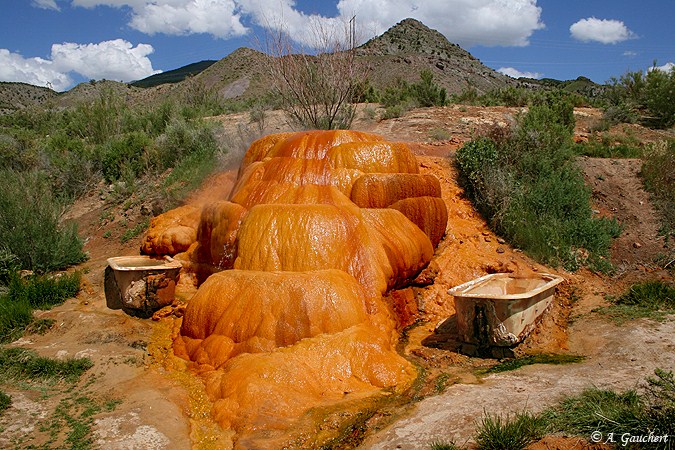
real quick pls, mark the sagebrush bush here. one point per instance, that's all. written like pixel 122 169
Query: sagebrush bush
pixel 660 182
pixel 30 224
pixel 15 316
pixel 22 364
pixel 34 292
pixel 182 139
pixel 508 433
pixel 5 401
pixel 651 294
pixel 44 291
pixel 126 154
pixel 531 192
pixel 71 165
pixel 650 96
pixel 428 93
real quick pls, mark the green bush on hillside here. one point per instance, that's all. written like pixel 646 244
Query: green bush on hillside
pixel 527 185
pixel 660 182
pixel 30 225
pixel 650 96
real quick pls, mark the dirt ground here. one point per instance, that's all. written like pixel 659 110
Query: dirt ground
pixel 163 407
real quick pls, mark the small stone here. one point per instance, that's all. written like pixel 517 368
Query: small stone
pixel 487 239
pixel 637 245
pixel 485 233
pixel 500 250
pixel 501 241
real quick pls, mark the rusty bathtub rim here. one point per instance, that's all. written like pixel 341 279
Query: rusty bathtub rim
pixel 460 291
pixel 118 263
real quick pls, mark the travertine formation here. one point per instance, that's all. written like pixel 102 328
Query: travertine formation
pixel 291 315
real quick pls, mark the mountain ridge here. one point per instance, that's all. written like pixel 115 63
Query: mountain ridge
pixel 400 53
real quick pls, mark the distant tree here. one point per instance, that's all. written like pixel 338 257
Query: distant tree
pixel 427 93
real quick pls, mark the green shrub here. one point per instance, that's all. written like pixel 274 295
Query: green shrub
pixel 97 121
pixel 468 96
pixel 15 316
pixel 182 139
pixel 660 97
pixel 598 410
pixel 497 433
pixel 527 186
pixel 426 92
pixel 651 299
pixel 508 96
pixel 17 150
pixel 630 413
pixel 135 231
pixel 127 154
pixel 187 176
pixel 650 96
pixel 44 291
pixel 650 294
pixel 22 364
pixel 596 149
pixel 5 402
pixel 660 182
pixel 72 166
pixel 30 227
pixel 9 264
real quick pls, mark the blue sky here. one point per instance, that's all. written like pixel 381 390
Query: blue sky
pixel 59 43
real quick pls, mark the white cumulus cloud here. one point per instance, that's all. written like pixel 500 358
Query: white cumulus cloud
pixel 468 23
pixel 667 67
pixel 605 31
pixel 46 4
pixel 515 73
pixel 115 60
pixel 216 17
pixel 37 71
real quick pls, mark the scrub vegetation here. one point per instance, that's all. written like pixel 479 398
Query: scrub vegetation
pixel 592 413
pixel 526 184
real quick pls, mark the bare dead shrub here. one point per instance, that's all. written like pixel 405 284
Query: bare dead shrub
pixel 317 89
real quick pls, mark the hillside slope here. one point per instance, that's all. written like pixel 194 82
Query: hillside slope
pixel 409 47
pixel 400 53
pixel 15 96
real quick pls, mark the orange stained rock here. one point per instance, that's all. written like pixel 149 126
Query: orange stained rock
pixel 172 232
pixel 374 157
pixel 429 213
pixel 260 148
pixel 297 171
pixel 311 237
pixel 246 311
pixel 379 190
pixel 267 192
pixel 319 225
pixel 256 391
pixel 217 234
pixel 408 249
pixel 316 144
